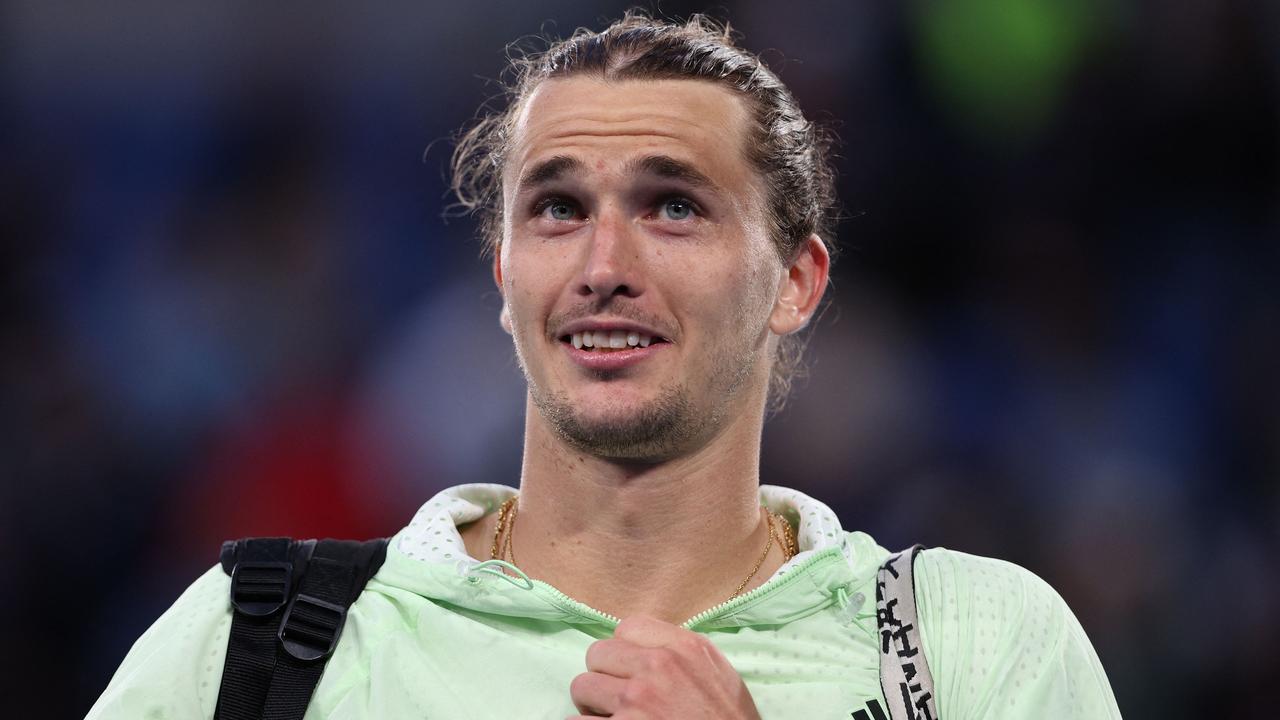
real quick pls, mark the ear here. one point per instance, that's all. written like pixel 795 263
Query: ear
pixel 504 317
pixel 802 287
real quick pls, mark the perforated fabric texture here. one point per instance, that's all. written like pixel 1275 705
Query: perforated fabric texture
pixel 1002 644
pixel 429 639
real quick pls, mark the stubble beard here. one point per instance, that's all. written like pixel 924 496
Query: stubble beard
pixel 662 428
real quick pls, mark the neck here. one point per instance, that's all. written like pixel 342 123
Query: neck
pixel 667 539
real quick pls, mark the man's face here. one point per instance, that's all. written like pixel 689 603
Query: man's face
pixel 632 218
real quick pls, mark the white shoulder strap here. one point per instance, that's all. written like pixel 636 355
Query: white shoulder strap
pixel 904 672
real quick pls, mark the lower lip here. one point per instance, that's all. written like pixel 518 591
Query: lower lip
pixel 612 360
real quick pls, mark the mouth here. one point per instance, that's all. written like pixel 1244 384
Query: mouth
pixel 610 341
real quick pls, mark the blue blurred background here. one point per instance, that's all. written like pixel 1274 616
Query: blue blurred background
pixel 232 306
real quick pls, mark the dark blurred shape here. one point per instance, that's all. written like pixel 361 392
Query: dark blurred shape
pixel 1003 68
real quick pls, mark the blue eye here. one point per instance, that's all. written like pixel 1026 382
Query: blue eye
pixel 560 210
pixel 677 209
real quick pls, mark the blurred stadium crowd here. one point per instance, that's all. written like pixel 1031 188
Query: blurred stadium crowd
pixel 232 306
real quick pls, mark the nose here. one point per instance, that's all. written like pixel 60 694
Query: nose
pixel 613 265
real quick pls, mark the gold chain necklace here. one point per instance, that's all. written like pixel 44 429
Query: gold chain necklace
pixel 504 530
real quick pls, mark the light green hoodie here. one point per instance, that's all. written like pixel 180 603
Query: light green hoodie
pixel 435 635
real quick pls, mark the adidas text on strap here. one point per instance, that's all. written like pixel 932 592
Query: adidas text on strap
pixel 904 671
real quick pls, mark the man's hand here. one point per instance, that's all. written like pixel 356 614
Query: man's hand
pixel 650 670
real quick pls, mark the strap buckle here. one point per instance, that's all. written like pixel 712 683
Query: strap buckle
pixel 260 588
pixel 311 627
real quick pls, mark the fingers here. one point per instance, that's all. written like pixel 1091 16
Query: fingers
pixel 597 694
pixel 674 642
pixel 615 657
pixel 650 632
pixel 651 668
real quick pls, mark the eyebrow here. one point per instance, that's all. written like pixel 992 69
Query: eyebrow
pixel 670 168
pixel 547 171
pixel 663 166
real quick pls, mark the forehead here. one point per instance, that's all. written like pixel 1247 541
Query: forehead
pixel 606 123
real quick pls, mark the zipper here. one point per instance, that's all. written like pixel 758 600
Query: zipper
pixel 766 589
pixel 569 603
pixel 760 592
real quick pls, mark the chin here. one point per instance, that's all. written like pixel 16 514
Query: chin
pixel 652 430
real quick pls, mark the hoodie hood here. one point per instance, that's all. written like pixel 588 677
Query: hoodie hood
pixel 428 558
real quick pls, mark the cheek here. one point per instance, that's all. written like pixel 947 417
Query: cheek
pixel 731 301
pixel 531 284
pixel 522 305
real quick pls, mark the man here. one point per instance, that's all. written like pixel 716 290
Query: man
pixel 657 206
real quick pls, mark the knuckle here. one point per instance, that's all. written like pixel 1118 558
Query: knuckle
pixel 579 684
pixel 638 693
pixel 663 660
pixel 600 652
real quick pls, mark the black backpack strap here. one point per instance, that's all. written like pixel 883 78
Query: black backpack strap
pixel 313 622
pixel 290 601
pixel 263 575
pixel 904 671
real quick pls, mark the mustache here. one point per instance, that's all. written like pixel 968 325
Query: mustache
pixel 615 311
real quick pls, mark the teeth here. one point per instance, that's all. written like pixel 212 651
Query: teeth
pixel 610 339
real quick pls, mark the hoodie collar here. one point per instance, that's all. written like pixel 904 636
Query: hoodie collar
pixel 429 558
